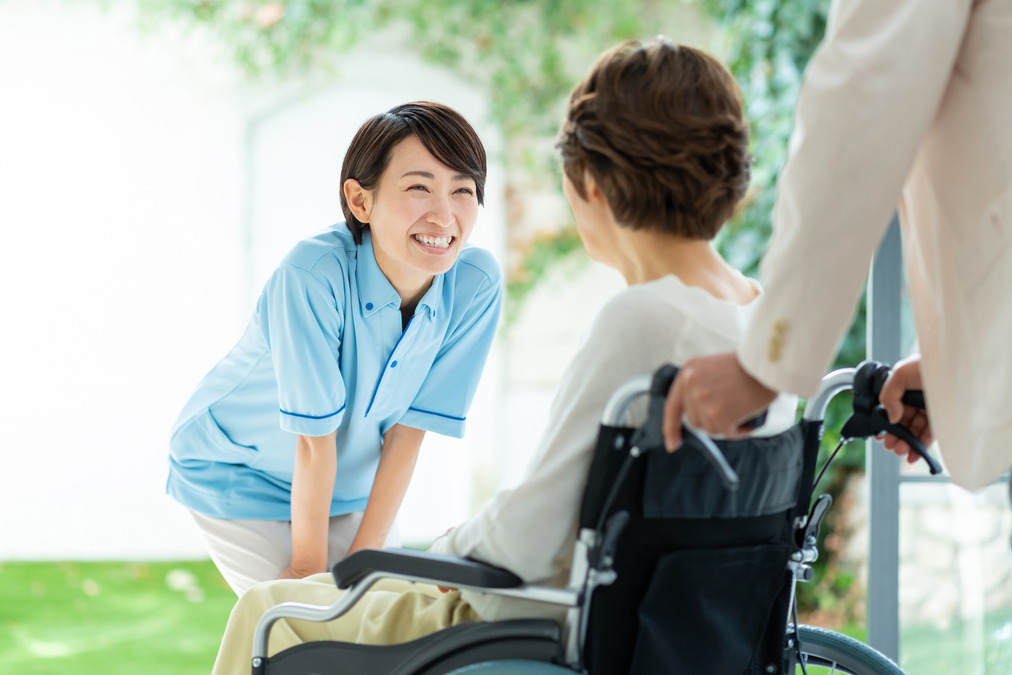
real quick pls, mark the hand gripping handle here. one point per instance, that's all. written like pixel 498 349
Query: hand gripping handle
pixel 870 418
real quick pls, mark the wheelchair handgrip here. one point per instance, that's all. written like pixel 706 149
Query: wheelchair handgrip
pixel 877 373
pixel 914 398
pixel 870 418
pixel 662 381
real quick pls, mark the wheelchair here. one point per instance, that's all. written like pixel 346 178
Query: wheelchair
pixel 684 563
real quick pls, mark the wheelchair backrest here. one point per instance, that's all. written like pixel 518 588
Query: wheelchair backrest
pixel 702 584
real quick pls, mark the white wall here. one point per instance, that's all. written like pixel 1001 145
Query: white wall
pixel 132 169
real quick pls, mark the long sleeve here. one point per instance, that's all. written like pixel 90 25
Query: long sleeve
pixel 869 95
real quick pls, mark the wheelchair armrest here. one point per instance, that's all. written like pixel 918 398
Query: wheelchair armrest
pixel 437 568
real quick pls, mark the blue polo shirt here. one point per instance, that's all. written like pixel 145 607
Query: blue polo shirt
pixel 325 350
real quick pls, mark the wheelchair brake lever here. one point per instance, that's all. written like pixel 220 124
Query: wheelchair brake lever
pixel 876 423
pixel 870 419
pixel 819 510
pixel 915 444
pixel 604 554
pixel 728 476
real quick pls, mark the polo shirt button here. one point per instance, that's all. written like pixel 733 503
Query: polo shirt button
pixel 368 305
pixel 393 365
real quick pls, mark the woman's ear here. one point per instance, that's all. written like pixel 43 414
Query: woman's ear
pixel 359 200
pixel 591 189
pixel 596 199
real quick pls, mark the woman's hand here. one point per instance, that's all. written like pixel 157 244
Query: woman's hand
pixel 904 376
pixel 715 395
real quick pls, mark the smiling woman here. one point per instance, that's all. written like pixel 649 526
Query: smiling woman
pixel 297 448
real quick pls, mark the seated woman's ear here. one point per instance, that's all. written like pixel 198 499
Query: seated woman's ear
pixel 591 190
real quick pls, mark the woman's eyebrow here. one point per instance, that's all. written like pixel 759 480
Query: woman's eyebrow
pixel 430 176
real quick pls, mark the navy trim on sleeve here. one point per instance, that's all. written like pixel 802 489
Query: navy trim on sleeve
pixel 314 417
pixel 429 412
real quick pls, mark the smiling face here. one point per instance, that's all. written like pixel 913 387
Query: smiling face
pixel 420 215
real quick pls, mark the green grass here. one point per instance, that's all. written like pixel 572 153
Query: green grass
pixel 111 618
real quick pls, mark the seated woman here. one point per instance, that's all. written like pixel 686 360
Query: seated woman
pixel 655 155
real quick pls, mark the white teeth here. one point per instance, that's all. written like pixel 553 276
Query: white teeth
pixel 435 242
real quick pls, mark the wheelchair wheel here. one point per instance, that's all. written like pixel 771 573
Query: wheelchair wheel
pixel 825 651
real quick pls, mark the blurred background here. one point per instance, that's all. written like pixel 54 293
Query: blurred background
pixel 159 157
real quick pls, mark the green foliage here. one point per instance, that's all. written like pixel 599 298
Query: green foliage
pixel 520 50
pixel 769 43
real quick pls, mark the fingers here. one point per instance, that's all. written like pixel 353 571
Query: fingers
pixel 906 374
pixel 917 422
pixel 920 426
pixel 672 426
pixel 891 397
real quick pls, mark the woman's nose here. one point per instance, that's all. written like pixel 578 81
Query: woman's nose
pixel 441 214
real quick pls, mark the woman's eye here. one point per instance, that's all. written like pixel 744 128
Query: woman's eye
pixel 418 187
pixel 466 191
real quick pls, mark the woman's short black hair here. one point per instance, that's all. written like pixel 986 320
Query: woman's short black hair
pixel 442 130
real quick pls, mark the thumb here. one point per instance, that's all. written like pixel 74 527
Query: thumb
pixel 891 395
pixel 672 422
pixel 894 410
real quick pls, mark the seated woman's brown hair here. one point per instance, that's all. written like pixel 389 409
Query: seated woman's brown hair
pixel 660 127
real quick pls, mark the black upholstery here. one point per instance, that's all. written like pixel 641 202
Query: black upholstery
pixel 694 594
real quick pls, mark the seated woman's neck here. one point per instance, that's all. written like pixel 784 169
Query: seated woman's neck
pixel 648 255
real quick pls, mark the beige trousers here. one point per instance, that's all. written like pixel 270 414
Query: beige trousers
pixel 247 552
pixel 393 611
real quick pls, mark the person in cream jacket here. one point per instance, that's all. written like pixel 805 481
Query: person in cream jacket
pixel 907 104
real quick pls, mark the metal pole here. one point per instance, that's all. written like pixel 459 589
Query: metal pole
pixel 884 333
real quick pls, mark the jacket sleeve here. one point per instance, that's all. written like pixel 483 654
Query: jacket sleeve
pixel 869 95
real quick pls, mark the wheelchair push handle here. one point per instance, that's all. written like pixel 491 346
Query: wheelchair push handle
pixel 870 419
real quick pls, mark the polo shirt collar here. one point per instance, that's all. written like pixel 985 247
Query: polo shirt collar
pixel 432 298
pixel 376 292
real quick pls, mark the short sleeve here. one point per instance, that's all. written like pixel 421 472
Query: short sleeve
pixel 445 396
pixel 302 320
